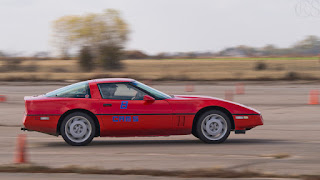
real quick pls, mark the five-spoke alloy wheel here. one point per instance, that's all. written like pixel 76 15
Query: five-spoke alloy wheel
pixel 78 129
pixel 213 127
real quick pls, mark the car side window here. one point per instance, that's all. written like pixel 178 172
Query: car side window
pixel 78 90
pixel 120 91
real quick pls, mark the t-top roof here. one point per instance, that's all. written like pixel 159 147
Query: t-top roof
pixel 112 80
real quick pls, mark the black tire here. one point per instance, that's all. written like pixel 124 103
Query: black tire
pixel 86 123
pixel 194 133
pixel 224 123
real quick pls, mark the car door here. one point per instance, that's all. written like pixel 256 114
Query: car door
pixel 124 112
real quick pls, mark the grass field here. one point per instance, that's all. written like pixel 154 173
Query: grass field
pixel 277 68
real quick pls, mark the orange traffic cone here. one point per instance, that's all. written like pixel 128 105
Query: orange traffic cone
pixel 228 95
pixel 239 88
pixel 313 97
pixel 3 98
pixel 21 149
pixel 189 88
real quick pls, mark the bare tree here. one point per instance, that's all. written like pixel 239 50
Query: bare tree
pixel 94 30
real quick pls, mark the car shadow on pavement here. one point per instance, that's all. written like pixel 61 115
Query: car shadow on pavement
pixel 189 142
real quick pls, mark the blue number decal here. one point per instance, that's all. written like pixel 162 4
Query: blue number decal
pixel 115 118
pixel 135 118
pixel 124 105
pixel 125 118
pixel 121 118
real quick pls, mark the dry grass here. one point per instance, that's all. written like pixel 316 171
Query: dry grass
pixel 191 69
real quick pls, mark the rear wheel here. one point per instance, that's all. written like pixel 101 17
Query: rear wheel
pixel 78 129
pixel 213 127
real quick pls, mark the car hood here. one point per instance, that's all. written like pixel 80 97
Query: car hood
pixel 208 100
pixel 194 97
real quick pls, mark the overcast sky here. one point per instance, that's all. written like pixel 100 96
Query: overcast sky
pixel 167 25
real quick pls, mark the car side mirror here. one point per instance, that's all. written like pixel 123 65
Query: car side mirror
pixel 148 98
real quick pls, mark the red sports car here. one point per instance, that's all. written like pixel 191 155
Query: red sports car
pixel 121 107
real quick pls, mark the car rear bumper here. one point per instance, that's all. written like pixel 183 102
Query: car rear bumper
pixel 247 121
pixel 35 123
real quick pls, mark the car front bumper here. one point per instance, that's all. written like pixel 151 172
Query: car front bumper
pixel 247 121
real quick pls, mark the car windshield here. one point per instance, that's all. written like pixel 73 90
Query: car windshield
pixel 154 92
pixel 77 90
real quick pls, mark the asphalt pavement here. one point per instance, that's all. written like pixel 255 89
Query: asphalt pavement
pixel 288 143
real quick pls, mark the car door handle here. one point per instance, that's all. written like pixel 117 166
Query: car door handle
pixel 107 105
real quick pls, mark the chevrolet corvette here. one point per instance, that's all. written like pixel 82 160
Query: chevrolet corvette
pixel 120 107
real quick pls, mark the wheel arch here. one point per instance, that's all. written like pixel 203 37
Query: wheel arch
pixel 94 117
pixel 205 109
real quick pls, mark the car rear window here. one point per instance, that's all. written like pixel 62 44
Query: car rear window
pixel 77 90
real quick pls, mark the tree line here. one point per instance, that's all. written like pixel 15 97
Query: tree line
pixel 310 46
pixel 99 40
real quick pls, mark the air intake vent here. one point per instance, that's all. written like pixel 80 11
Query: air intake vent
pixel 181 120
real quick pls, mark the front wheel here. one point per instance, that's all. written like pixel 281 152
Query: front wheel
pixel 78 129
pixel 213 127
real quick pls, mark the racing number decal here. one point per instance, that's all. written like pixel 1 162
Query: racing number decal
pixel 124 105
pixel 125 119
